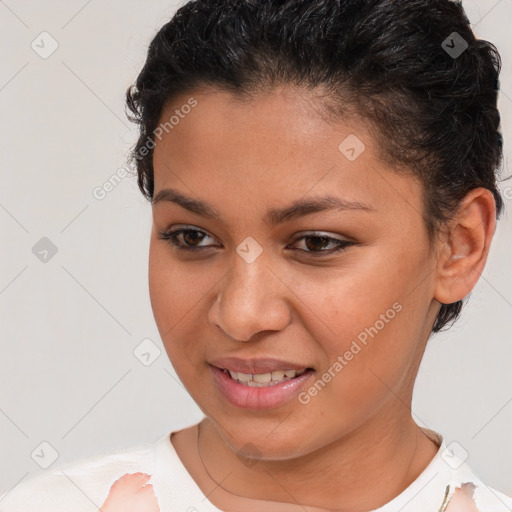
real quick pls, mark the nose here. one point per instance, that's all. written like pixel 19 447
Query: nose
pixel 251 299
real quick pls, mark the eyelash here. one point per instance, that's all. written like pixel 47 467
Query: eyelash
pixel 171 237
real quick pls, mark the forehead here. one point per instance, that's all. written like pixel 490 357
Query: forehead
pixel 273 145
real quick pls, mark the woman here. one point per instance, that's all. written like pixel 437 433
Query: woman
pixel 322 176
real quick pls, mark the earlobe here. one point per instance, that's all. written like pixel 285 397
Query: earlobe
pixel 465 246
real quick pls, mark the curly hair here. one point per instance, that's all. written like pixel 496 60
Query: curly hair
pixel 432 113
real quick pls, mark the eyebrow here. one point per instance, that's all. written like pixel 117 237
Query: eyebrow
pixel 274 216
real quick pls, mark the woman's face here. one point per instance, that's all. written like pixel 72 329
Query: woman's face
pixel 264 288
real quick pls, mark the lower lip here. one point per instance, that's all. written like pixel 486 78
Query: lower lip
pixel 248 397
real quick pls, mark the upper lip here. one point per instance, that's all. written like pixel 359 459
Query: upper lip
pixel 259 365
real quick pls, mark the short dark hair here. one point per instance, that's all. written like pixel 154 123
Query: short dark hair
pixel 433 113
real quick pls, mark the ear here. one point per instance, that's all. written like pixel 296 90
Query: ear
pixel 464 246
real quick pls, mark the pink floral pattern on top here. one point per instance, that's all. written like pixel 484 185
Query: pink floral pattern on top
pixel 462 499
pixel 131 493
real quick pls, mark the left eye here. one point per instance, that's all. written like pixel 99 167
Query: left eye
pixel 190 240
pixel 315 242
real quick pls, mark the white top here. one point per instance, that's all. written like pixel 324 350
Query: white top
pixel 83 485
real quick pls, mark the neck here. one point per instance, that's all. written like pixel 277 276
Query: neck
pixel 363 470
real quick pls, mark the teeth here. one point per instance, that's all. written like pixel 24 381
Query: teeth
pixel 262 377
pixel 277 375
pixel 244 377
pixel 260 380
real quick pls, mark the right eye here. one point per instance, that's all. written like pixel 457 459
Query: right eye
pixel 186 239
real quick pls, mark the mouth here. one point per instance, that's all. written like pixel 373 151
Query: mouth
pixel 259 383
pixel 263 380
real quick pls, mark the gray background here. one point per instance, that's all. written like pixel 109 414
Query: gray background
pixel 69 325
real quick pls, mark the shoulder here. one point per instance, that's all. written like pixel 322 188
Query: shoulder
pixel 82 485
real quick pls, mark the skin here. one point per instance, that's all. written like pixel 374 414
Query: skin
pixel 244 157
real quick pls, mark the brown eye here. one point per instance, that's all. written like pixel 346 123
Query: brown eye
pixel 319 242
pixel 317 245
pixel 192 237
pixel 186 239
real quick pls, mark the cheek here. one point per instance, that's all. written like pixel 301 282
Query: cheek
pixel 161 288
pixel 173 296
pixel 179 292
pixel 176 288
pixel 370 312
